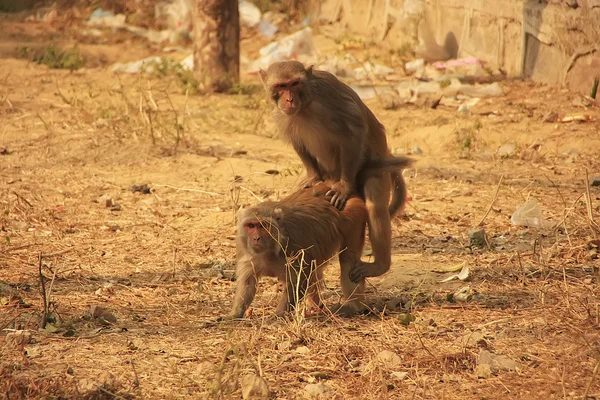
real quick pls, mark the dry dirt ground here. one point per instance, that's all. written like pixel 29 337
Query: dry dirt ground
pixel 161 263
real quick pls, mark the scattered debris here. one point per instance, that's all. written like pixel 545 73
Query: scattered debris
pixel 398 376
pixel 318 391
pixel 506 150
pixel 412 67
pixel 463 294
pixel 302 350
pixel 105 200
pixel 18 338
pixel 389 359
pixel 254 387
pixel 102 315
pixel 115 207
pixel 451 268
pixel 143 188
pixel 298 45
pixel 4 151
pixel 551 117
pixel 472 339
pixel 576 118
pixel 406 319
pixel 462 275
pixel 416 150
pixel 529 214
pixel 595 181
pixel 459 62
pixel 489 364
pixel 476 237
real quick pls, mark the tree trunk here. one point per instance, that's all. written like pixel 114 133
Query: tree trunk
pixel 217 44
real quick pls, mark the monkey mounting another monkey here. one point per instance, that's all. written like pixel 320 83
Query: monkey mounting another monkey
pixel 337 136
pixel 292 240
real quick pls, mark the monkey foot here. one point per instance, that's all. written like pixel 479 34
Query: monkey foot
pixel 347 310
pixel 360 271
pixel 338 194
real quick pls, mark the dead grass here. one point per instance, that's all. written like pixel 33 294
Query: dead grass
pixel 162 262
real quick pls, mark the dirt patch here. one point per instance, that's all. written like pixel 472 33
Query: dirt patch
pixel 161 262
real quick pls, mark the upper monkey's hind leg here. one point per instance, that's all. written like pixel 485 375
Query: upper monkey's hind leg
pixel 377 196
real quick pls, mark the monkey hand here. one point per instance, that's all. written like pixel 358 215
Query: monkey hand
pixel 339 194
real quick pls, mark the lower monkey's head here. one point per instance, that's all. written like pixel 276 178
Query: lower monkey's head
pixel 288 84
pixel 260 235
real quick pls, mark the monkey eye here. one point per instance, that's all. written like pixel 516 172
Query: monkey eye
pixel 295 83
pixel 251 225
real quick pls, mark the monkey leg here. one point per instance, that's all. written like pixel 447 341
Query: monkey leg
pixel 244 292
pixel 295 287
pixel 377 197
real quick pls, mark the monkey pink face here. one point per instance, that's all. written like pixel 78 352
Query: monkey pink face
pixel 258 238
pixel 288 96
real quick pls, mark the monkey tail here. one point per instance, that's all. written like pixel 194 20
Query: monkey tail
pixel 398 193
pixel 393 165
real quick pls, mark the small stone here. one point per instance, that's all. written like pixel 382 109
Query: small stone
pixel 302 350
pixel 399 376
pixel 102 315
pixel 389 359
pixel 417 150
pixel 463 294
pixel 483 371
pixel 318 391
pixel 145 189
pixel 105 200
pixel 496 363
pixel 550 117
pixel 506 150
pixel 595 181
pixel 254 387
pixel 115 207
pixel 477 237
pixel 472 339
pixel 285 345
pixel 18 338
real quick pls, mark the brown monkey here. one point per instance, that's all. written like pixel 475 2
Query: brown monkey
pixel 293 238
pixel 337 136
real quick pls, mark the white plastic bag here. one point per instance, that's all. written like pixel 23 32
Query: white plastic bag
pixel 250 15
pixel 529 214
pixel 298 44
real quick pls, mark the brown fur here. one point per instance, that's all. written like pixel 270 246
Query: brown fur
pixel 299 235
pixel 337 136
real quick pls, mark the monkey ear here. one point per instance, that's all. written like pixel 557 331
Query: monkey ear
pixel 263 75
pixel 309 71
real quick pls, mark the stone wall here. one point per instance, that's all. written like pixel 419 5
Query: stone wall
pixel 552 41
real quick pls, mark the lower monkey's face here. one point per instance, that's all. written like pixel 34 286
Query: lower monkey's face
pixel 258 237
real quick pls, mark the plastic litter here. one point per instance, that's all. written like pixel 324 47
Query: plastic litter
pixel 529 214
pixel 297 45
pixel 176 14
pixel 413 66
pixel 267 29
pixel 106 19
pixel 250 15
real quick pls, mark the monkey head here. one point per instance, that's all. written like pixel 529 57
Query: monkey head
pixel 287 82
pixel 259 233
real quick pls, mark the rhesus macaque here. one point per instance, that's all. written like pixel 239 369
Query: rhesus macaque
pixel 293 239
pixel 337 136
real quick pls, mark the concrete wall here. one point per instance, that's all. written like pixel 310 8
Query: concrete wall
pixel 547 40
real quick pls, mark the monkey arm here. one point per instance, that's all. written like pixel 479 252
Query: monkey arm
pixel 313 170
pixel 350 163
